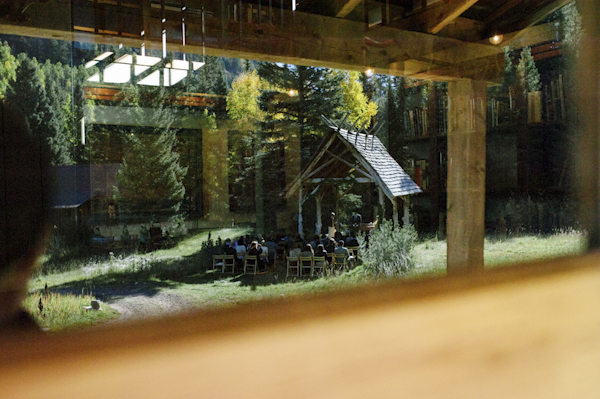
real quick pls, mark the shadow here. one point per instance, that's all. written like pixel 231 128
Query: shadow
pixel 113 286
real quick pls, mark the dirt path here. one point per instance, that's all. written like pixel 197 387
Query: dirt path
pixel 142 305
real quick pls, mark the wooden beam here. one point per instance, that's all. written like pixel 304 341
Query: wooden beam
pixel 529 19
pixel 511 329
pixel 466 175
pixel 453 10
pixel 436 17
pixel 318 180
pixel 586 98
pixel 507 6
pixel 348 7
pixel 299 38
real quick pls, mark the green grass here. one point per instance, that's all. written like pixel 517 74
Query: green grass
pixel 66 311
pixel 182 270
pixel 430 255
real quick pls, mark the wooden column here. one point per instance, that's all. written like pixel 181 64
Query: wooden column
pixel 587 97
pixel 215 181
pixel 319 223
pixel 381 204
pixel 406 216
pixel 300 201
pixel 466 175
pixel 395 211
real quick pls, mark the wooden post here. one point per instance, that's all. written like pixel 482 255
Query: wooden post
pixel 300 200
pixel 319 223
pixel 466 175
pixel 381 204
pixel 406 217
pixel 395 211
pixel 587 97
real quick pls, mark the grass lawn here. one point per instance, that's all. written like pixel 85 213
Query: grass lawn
pixel 182 270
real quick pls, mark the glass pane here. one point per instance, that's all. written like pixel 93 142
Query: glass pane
pixel 424 146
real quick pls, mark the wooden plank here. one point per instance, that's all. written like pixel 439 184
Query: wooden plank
pixel 504 8
pixel 453 10
pixel 436 17
pixel 317 180
pixel 348 8
pixel 466 175
pixel 588 155
pixel 505 334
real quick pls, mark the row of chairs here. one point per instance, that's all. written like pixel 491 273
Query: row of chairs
pixel 226 264
pixel 297 267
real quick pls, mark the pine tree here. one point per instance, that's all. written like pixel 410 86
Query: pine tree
pixel 150 181
pixel 313 92
pixel 209 79
pixel 8 67
pixel 29 93
pixel 527 72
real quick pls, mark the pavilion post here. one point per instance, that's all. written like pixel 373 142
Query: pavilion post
pixel 395 211
pixel 466 175
pixel 319 223
pixel 381 203
pixel 406 217
pixel 300 201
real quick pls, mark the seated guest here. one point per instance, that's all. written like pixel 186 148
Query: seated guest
pixel 240 251
pixel 353 242
pixel 272 246
pixel 308 251
pixel 295 252
pixel 330 246
pixel 320 251
pixel 341 249
pixel 228 249
pixel 316 241
pixel 264 255
pixel 256 250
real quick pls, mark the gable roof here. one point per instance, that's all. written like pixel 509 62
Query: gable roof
pixel 346 153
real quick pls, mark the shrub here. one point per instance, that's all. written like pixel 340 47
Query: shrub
pixel 389 253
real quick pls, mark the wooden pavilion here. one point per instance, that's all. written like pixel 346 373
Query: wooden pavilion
pixel 349 153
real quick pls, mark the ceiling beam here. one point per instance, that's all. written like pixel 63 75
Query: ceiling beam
pixel 299 39
pixel 509 5
pixel 453 10
pixel 348 8
pixel 435 17
pixel 530 18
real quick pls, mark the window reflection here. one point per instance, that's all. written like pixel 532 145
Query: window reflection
pixel 155 142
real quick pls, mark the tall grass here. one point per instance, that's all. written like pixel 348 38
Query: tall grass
pixel 62 311
pixel 389 252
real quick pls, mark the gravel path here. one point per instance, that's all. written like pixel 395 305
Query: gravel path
pixel 143 304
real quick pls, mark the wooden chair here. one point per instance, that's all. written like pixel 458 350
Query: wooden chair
pixel 353 251
pixel 228 263
pixel 306 262
pixel 250 263
pixel 279 255
pixel 293 266
pixel 339 262
pixel 319 263
pixel 217 262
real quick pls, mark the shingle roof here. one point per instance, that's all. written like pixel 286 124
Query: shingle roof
pixel 372 150
pixel 367 152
